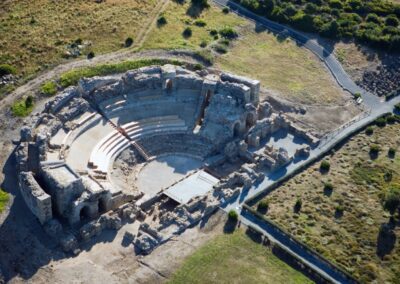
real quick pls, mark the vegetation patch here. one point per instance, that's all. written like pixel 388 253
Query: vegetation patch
pixel 235 256
pixel 4 198
pixel 281 66
pixel 23 107
pixel 350 214
pixel 49 88
pixel 373 22
pixel 50 29
pixel 181 16
pixel 72 77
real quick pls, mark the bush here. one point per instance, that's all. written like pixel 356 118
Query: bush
pixel 298 204
pixel 381 122
pixel 325 166
pixel 392 152
pixel 213 32
pixel 328 186
pixel 203 44
pixel 6 69
pixel 233 215
pixel 220 48
pixel 357 96
pixel 200 23
pixel 392 21
pixel 374 149
pixel 397 107
pixel 161 21
pixel 263 205
pixel 128 42
pixel 392 200
pixel 369 130
pixel 49 88
pixel 228 33
pixel 201 3
pixel 90 55
pixel 391 119
pixel 339 209
pixel 187 32
pixel 225 10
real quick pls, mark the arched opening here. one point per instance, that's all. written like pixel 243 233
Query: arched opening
pixel 169 85
pixel 84 214
pixel 250 120
pixel 102 206
pixel 236 129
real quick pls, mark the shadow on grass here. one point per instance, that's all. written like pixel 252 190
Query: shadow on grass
pixel 230 226
pixel 386 240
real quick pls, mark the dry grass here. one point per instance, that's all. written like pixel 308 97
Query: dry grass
pixel 169 36
pixel 235 258
pixel 350 240
pixel 34 34
pixel 282 66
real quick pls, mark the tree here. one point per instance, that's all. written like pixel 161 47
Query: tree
pixel 392 20
pixel 325 166
pixel 201 3
pixel 128 42
pixel 233 215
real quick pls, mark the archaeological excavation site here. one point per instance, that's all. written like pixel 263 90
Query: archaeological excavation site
pixel 160 148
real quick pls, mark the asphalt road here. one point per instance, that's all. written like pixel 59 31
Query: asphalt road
pixel 375 107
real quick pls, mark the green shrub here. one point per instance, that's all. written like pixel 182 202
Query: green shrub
pixel 357 96
pixel 298 204
pixel 128 42
pixel 198 67
pixel 200 23
pixel 263 205
pixel 374 149
pixel 392 21
pixel 161 21
pixel 49 88
pixel 391 119
pixel 233 215
pixel 325 166
pixel 201 3
pixel 228 33
pixel 203 44
pixel 392 199
pixel 187 32
pixel 392 152
pixel 339 209
pixel 369 130
pixel 220 48
pixel 328 186
pixel 6 69
pixel 213 32
pixel 381 122
pixel 225 10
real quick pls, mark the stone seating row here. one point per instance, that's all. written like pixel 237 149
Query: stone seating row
pixel 105 151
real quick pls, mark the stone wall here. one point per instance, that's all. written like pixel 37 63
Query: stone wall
pixel 38 201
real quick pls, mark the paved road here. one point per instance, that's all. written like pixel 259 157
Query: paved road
pixel 375 108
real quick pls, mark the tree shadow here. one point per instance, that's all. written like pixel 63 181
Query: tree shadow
pixel 328 191
pixel 386 240
pixel 230 226
pixel 254 235
pixel 195 10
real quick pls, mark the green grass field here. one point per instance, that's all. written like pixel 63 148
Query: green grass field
pixel 283 67
pixel 170 35
pixel 235 258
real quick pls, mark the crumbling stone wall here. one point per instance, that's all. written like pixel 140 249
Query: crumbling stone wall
pixel 38 201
